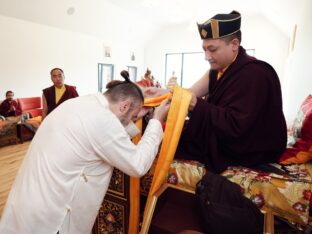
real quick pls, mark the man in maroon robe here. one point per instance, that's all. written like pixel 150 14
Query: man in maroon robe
pixel 241 121
pixel 58 93
pixel 9 107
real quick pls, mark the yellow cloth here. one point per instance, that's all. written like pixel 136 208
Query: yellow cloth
pixel 176 117
pixel 299 158
pixel 155 101
pixel 220 72
pixel 59 93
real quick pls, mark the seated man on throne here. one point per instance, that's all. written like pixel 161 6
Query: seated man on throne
pixel 241 122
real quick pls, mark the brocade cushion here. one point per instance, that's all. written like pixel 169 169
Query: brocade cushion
pixel 287 195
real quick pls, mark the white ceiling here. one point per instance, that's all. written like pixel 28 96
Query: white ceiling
pixel 137 20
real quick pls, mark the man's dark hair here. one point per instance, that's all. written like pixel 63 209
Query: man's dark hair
pixel 121 90
pixel 54 69
pixel 237 35
pixel 8 92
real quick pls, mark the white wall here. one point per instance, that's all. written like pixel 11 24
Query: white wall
pixel 29 51
pixel 298 79
pixel 177 39
pixel 268 41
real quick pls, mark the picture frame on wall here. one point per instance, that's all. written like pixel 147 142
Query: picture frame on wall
pixel 132 73
pixel 105 75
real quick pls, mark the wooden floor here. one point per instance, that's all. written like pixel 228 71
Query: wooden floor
pixel 10 160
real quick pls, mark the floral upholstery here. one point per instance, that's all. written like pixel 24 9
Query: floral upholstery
pixel 185 173
pixel 287 195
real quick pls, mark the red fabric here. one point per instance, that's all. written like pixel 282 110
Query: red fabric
pixel 6 106
pixel 164 126
pixel 306 129
pixel 30 105
pixel 301 151
pixel 145 83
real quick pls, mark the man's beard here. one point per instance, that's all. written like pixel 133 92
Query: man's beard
pixel 124 119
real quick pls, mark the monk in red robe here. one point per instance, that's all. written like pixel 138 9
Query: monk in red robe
pixel 241 121
pixel 9 107
pixel 58 93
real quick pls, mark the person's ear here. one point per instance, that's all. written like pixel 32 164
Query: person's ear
pixel 124 106
pixel 235 44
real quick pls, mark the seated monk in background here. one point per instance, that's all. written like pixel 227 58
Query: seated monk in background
pixel 9 107
pixel 53 96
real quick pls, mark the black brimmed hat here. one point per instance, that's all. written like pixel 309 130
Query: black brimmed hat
pixel 221 25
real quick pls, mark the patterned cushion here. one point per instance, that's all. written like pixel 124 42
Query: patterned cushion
pixel 299 145
pixel 185 173
pixel 287 195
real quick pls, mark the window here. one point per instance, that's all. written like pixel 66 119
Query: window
pixel 250 52
pixel 132 73
pixel 105 75
pixel 187 67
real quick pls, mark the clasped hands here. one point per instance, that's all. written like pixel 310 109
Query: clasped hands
pixel 160 112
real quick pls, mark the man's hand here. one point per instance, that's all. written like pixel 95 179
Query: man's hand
pixel 193 102
pixel 12 108
pixel 144 110
pixel 161 111
pixel 150 92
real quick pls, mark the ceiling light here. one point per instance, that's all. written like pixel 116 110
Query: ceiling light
pixel 150 3
pixel 70 11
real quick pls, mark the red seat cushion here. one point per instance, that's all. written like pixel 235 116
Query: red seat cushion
pixel 30 105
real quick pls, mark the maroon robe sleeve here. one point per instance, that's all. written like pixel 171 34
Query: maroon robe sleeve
pixel 4 108
pixel 73 92
pixel 244 104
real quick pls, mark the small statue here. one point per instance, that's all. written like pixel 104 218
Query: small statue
pixel 148 80
pixel 172 81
